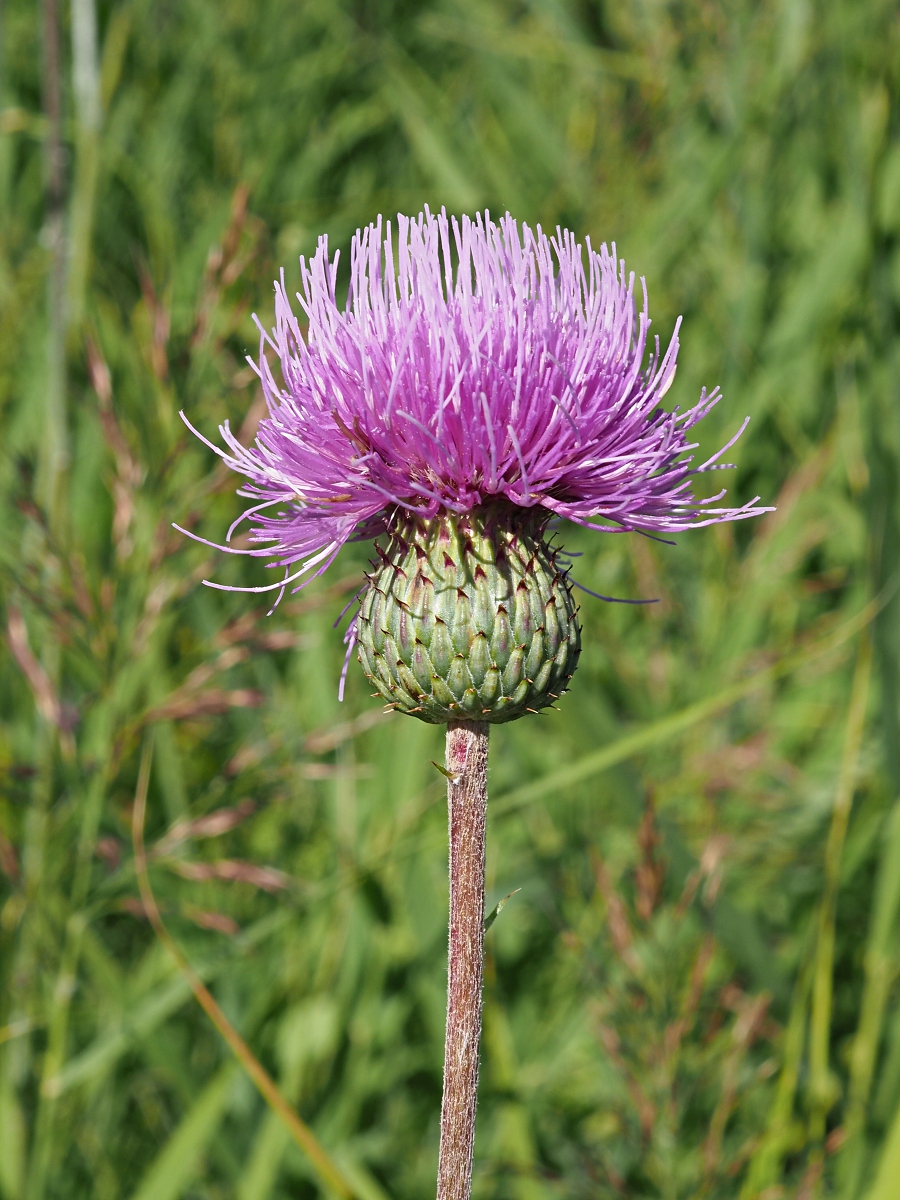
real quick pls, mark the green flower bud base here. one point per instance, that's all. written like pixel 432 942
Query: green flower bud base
pixel 468 617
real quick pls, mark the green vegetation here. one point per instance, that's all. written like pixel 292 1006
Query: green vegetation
pixel 694 992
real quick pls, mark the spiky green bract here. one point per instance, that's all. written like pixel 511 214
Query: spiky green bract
pixel 469 617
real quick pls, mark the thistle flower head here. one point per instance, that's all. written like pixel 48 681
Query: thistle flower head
pixel 475 364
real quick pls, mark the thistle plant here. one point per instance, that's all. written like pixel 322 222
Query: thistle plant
pixel 483 383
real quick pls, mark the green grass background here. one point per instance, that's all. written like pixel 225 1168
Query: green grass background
pixel 694 993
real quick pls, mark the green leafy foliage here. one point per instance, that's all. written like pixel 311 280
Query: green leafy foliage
pixel 695 992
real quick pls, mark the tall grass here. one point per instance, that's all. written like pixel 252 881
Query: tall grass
pixel 694 991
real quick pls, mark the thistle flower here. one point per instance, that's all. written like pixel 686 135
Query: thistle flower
pixel 509 389
pixel 457 410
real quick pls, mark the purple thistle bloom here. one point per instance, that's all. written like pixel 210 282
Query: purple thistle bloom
pixel 518 374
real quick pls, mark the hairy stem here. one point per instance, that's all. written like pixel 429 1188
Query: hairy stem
pixel 467 754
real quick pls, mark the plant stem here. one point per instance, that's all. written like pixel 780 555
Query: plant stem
pixel 467 755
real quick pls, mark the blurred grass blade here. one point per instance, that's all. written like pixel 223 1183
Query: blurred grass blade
pixel 822 1089
pixel 886 1184
pixel 13 1140
pixel 365 1184
pixel 781 1130
pixel 110 1046
pixel 263 1163
pixel 55 440
pixel 668 727
pixel 427 139
pixel 540 44
pixel 180 1160
pixel 86 89
pixel 880 966
pixel 146 1015
pixel 324 1166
